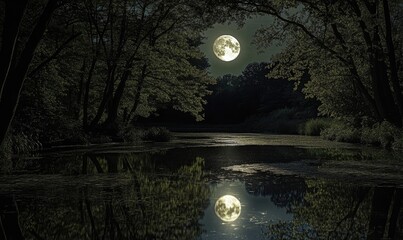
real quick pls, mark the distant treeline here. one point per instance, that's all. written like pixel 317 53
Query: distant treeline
pixel 253 101
pixel 252 94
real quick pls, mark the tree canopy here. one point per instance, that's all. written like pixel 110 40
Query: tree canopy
pixel 351 49
pixel 98 65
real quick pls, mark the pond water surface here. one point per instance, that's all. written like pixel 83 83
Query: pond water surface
pixel 206 186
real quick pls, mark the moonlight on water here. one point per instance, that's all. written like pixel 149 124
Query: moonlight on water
pixel 226 48
pixel 228 208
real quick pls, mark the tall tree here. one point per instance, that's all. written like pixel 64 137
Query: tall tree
pixel 141 45
pixel 14 64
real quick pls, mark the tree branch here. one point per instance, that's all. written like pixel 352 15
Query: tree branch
pixel 54 55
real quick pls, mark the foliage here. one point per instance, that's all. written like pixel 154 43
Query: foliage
pixel 102 64
pixel 135 134
pixel 22 143
pixel 398 143
pixel 341 132
pixel 158 134
pixel 381 134
pixel 147 64
pixel 131 134
pixel 313 127
pixel 23 26
pixel 349 49
pixel 190 82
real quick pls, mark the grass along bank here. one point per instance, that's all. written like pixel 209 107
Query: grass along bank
pixel 379 134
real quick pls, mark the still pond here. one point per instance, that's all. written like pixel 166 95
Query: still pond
pixel 206 186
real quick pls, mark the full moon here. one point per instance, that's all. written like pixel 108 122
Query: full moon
pixel 226 48
pixel 228 208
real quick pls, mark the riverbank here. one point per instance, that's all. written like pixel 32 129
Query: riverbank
pixel 203 139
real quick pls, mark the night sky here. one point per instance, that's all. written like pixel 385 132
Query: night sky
pixel 249 52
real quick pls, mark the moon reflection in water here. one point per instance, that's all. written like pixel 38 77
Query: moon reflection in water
pixel 228 208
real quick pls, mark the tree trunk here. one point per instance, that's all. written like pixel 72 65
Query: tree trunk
pixel 382 93
pixel 87 92
pixel 380 82
pixel 106 97
pixel 15 78
pixel 113 111
pixel 364 92
pixel 397 90
pixel 81 90
pixel 138 94
pixel 54 55
pixel 383 96
pixel 14 11
pixel 354 72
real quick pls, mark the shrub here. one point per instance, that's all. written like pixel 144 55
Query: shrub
pixel 132 134
pixel 313 127
pixel 387 133
pixel 383 134
pixel 379 134
pixel 398 143
pixel 368 136
pixel 341 133
pixel 23 143
pixel 158 134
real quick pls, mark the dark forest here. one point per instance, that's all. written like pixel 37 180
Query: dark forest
pixel 125 89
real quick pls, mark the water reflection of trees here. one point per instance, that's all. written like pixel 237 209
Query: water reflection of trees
pixel 154 205
pixel 335 210
pixel 282 190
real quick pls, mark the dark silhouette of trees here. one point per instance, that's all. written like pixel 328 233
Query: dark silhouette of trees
pixel 344 45
pixel 98 66
pixel 14 63
pixel 236 98
pixel 133 62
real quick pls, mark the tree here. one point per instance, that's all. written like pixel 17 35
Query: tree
pixel 47 108
pixel 14 63
pixel 236 98
pixel 355 43
pixel 145 55
pixel 101 64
